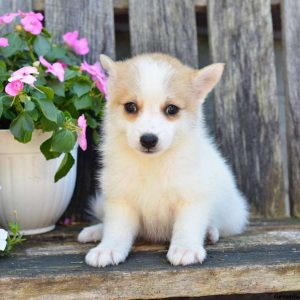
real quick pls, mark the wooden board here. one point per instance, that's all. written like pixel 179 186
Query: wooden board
pixel 94 19
pixel 291 41
pixel 164 26
pixel 266 258
pixel 15 5
pixel 122 5
pixel 246 103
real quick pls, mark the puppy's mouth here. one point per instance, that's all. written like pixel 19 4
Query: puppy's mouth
pixel 149 151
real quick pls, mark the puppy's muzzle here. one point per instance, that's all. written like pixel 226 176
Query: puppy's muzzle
pixel 148 141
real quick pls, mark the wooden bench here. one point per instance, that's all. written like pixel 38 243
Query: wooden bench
pixel 265 259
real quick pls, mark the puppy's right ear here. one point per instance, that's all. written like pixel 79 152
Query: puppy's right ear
pixel 108 64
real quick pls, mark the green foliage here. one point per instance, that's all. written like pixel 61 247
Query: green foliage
pixel 65 166
pixel 49 105
pixel 41 45
pixel 16 44
pixel 13 239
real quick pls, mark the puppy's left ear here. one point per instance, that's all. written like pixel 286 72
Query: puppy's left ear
pixel 206 79
pixel 108 64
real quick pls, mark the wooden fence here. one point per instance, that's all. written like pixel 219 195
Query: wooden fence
pixel 246 105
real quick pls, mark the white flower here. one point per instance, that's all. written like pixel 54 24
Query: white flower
pixel 3 237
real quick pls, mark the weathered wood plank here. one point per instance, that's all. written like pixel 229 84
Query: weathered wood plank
pixel 291 44
pixel 15 5
pixel 164 26
pixel 94 19
pixel 246 104
pixel 263 259
pixel 62 242
pixel 122 5
pixel 148 275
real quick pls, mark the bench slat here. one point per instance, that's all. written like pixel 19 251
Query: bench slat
pixel 291 32
pixel 164 26
pixel 246 103
pixel 266 258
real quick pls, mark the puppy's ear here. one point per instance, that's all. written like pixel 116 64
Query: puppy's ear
pixel 206 79
pixel 107 64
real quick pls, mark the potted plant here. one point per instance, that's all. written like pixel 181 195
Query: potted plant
pixel 47 99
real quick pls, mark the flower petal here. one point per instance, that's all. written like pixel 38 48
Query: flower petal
pixel 44 62
pixel 3 234
pixel 2 245
pixel 3 42
pixel 29 79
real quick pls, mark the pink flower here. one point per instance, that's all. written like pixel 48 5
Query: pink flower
pixel 97 75
pixel 32 22
pixel 24 75
pixel 56 69
pixel 3 42
pixel 63 64
pixel 13 88
pixel 8 18
pixel 70 38
pixel 80 47
pixel 82 135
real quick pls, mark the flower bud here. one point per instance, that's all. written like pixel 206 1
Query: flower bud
pixel 36 64
pixel 19 28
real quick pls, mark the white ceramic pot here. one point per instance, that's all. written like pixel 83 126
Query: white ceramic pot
pixel 28 193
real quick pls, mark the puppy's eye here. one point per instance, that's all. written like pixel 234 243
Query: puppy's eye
pixel 131 107
pixel 171 110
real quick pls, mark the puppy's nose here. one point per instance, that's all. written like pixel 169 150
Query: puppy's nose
pixel 148 140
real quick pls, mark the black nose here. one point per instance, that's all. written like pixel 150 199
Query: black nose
pixel 148 140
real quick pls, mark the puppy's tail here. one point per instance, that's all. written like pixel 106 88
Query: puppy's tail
pixel 95 207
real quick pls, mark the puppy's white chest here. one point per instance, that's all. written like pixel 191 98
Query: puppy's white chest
pixel 156 219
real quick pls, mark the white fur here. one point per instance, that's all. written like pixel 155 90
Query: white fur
pixel 178 194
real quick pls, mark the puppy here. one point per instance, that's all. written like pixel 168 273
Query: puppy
pixel 163 177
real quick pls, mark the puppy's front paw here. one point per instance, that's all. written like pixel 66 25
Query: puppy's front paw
pixel 186 256
pixel 90 234
pixel 102 256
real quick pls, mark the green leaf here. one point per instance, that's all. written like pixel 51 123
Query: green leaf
pixel 1 87
pixel 41 45
pixel 70 74
pixel 29 105
pixel 46 32
pixel 65 166
pixel 47 151
pixel 48 92
pixel 22 127
pixel 34 115
pixel 58 87
pixel 1 107
pixel 63 141
pixel 3 71
pixel 48 109
pixel 6 100
pixel 96 137
pixel 80 88
pixel 15 44
pixel 91 122
pixel 84 102
pixel 47 125
pixel 3 68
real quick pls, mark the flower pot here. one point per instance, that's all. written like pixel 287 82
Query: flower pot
pixel 28 193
